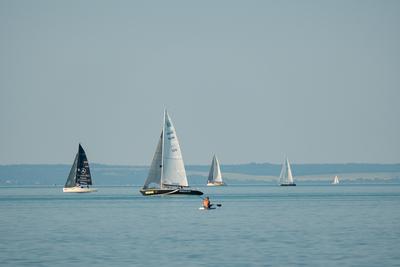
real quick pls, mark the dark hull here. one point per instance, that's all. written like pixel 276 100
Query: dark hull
pixel 288 184
pixel 176 191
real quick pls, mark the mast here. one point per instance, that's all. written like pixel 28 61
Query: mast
pixel 162 150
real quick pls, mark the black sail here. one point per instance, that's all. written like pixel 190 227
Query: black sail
pixel 83 176
pixel 79 175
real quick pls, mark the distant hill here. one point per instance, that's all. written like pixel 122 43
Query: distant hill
pixel 26 174
pixel 304 169
pixel 57 174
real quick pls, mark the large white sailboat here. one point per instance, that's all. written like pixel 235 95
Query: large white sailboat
pixel 335 180
pixel 286 177
pixel 215 176
pixel 79 178
pixel 167 173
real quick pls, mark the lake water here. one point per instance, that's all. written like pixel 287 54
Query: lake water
pixel 257 225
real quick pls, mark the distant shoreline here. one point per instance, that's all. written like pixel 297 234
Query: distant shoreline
pixel 56 174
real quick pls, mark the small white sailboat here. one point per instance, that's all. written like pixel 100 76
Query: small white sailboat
pixel 335 180
pixel 286 177
pixel 167 174
pixel 79 178
pixel 215 176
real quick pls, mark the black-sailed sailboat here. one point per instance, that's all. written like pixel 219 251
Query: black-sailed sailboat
pixel 79 178
pixel 167 175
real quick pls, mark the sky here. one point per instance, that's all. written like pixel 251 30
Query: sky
pixel 251 81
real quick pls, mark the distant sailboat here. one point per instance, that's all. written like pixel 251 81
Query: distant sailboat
pixel 79 178
pixel 167 173
pixel 215 177
pixel 286 177
pixel 335 180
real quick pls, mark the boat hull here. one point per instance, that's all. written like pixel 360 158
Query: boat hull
pixel 175 191
pixel 288 184
pixel 216 184
pixel 203 208
pixel 77 189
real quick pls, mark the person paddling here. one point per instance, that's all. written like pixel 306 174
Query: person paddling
pixel 206 203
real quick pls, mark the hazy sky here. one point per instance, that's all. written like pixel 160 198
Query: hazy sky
pixel 318 81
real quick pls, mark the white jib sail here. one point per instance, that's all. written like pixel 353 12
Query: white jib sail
pixel 215 172
pixel 156 166
pixel 173 172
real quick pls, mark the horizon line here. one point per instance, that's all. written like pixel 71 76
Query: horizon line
pixel 200 164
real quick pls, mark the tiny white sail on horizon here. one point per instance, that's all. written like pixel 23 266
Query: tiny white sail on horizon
pixel 286 177
pixel 335 180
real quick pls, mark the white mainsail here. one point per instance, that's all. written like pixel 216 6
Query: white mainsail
pixel 286 176
pixel 335 180
pixel 167 167
pixel 215 172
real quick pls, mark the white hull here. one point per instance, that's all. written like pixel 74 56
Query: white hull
pixel 78 190
pixel 215 184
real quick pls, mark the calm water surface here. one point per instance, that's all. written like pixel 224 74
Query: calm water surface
pixel 345 225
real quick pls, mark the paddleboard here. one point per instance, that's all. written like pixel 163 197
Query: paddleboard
pixel 202 208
